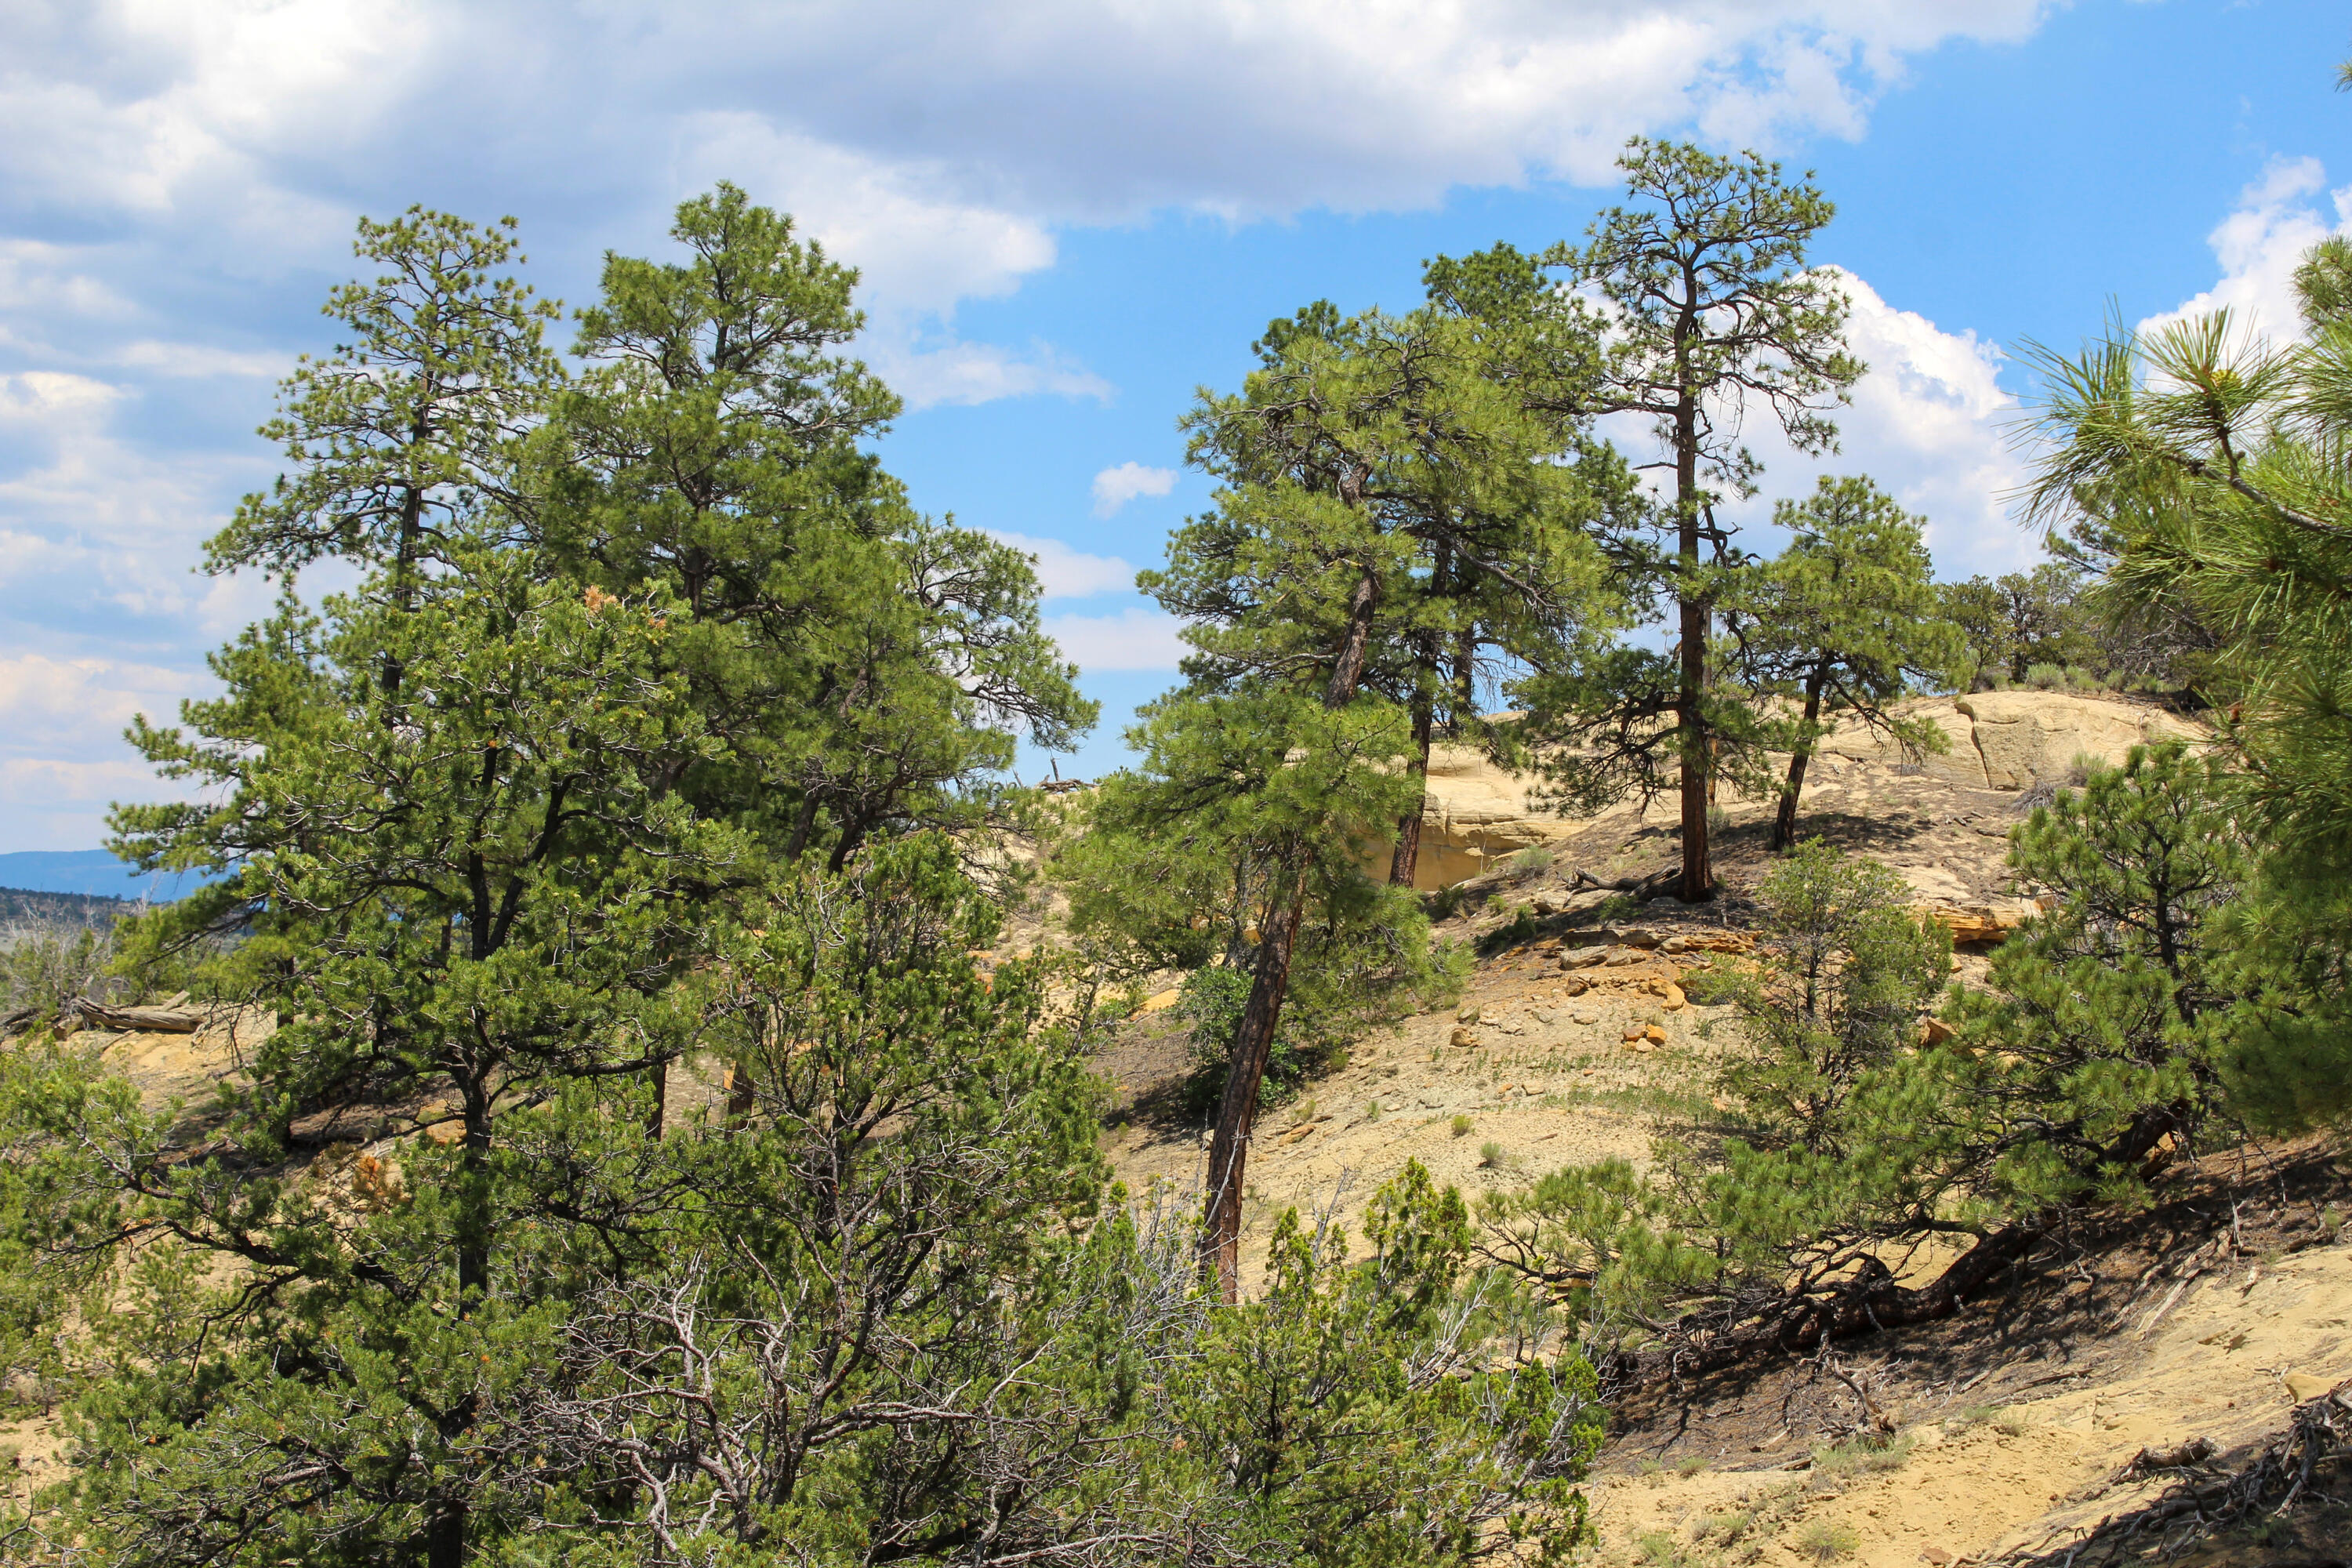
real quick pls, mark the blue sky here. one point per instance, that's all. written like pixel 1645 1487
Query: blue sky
pixel 1069 216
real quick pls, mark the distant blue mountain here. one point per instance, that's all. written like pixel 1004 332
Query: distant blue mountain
pixel 92 871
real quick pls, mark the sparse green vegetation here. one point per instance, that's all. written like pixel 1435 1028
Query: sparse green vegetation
pixel 1860 1456
pixel 1829 1539
pixel 664 1154
pixel 1529 863
pixel 1660 1550
pixel 1725 1529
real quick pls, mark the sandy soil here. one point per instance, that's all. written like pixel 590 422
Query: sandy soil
pixel 2209 1319
pixel 2016 1422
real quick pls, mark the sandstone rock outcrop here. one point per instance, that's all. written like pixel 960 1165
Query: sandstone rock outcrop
pixel 1477 814
pixel 2017 740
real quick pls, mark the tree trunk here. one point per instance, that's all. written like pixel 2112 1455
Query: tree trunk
pixel 853 834
pixel 445 1542
pixel 803 825
pixel 1698 871
pixel 1426 671
pixel 1221 1239
pixel 1403 864
pixel 1220 1226
pixel 1465 675
pixel 1784 824
pixel 444 1537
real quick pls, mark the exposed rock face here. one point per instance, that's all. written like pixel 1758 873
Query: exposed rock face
pixel 2016 739
pixel 1477 813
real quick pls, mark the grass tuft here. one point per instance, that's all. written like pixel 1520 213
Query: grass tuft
pixel 1828 1540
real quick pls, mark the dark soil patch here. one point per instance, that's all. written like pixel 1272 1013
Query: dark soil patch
pixel 1147 1060
pixel 2071 1310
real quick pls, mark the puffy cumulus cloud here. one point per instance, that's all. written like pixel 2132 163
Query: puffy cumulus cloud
pixel 62 760
pixel 76 708
pixel 1930 423
pixel 1065 573
pixel 1933 425
pixel 156 106
pixel 2276 220
pixel 939 137
pixel 1268 106
pixel 916 242
pixel 928 367
pixel 96 529
pixel 1133 638
pixel 1114 488
pixel 177 178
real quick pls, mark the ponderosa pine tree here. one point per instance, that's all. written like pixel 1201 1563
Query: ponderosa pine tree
pixel 871 669
pixel 404 441
pixel 1513 576
pixel 1706 308
pixel 1361 449
pixel 2020 619
pixel 470 902
pixel 1844 618
pixel 2113 1036
pixel 2229 448
pixel 489 816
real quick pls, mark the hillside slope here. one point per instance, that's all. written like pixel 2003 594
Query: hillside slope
pixel 2016 1421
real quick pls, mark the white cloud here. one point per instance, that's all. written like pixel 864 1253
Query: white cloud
pixel 2258 246
pixel 77 706
pixel 929 369
pixel 917 243
pixel 1930 423
pixel 1134 638
pixel 207 157
pixel 1063 573
pixel 1268 106
pixel 50 279
pixel 197 360
pixel 62 759
pixel 919 249
pixel 937 143
pixel 1114 488
pixel 95 524
pixel 49 804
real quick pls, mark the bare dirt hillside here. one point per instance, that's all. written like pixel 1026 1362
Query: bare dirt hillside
pixel 1537 1060
pixel 2213 1321
pixel 2016 1424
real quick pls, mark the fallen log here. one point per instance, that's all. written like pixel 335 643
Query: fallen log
pixel 83 1013
pixel 1640 886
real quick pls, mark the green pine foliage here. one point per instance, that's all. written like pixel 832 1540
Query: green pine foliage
pixel 648 745
pixel 1845 622
pixel 657 742
pixel 1179 864
pixel 2208 467
pixel 872 669
pixel 1700 307
pixel 2103 1040
pixel 2126 1026
pixel 2020 619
